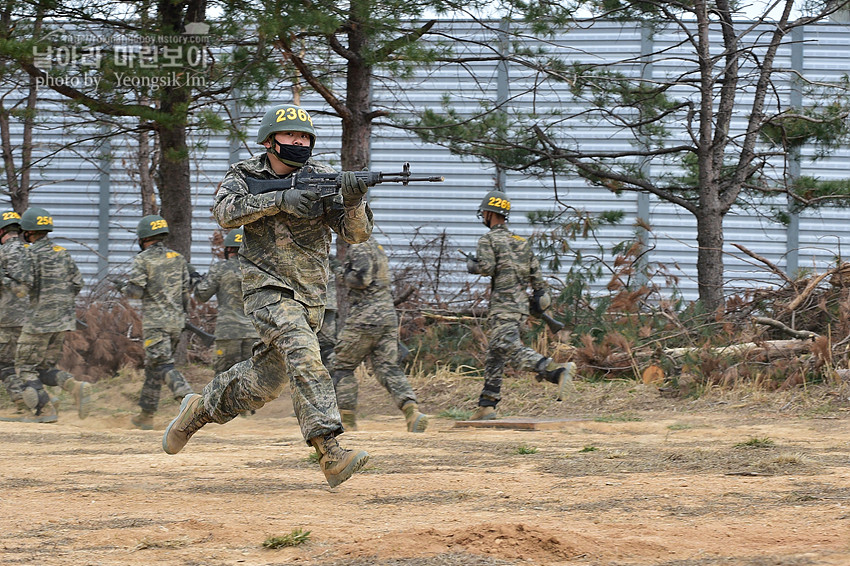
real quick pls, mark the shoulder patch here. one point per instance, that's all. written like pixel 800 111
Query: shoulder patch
pixel 58 249
pixel 520 238
pixel 171 255
pixel 380 247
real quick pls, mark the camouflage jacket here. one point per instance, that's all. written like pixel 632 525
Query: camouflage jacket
pixel 15 281
pixel 509 260
pixel 225 282
pixel 56 282
pixel 160 278
pixel 367 275
pixel 281 251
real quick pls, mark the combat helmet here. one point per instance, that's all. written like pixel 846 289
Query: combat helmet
pixel 8 218
pixel 151 225
pixel 234 238
pixel 286 118
pixel 36 219
pixel 496 201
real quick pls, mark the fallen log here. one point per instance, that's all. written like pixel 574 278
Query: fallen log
pixel 768 349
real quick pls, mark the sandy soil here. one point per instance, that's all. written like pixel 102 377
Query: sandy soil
pixel 664 483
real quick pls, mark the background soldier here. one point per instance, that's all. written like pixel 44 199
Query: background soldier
pixel 371 329
pixel 284 260
pixel 509 260
pixel 15 281
pixel 327 333
pixel 235 334
pixel 159 277
pixel 55 284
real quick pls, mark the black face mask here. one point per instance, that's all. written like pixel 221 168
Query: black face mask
pixel 292 155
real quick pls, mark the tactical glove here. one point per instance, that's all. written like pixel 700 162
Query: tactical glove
pixel 541 301
pixel 297 202
pixel 472 265
pixel 352 189
pixel 117 283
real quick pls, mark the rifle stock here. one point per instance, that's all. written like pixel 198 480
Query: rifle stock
pixel 207 339
pixel 554 325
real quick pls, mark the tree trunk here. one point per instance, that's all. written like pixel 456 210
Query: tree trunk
pixel 173 179
pixel 710 259
pixel 146 184
pixel 356 135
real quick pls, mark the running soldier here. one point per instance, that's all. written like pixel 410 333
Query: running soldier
pixel 15 281
pixel 371 330
pixel 159 277
pixel 509 260
pixel 56 281
pixel 284 260
pixel 235 334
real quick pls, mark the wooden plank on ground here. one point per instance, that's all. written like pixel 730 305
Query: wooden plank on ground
pixel 517 423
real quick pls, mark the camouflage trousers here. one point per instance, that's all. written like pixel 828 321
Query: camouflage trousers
pixel 230 352
pixel 159 369
pixel 289 353
pixel 8 344
pixel 380 343
pixel 36 358
pixel 504 346
pixel 327 339
pixel 37 354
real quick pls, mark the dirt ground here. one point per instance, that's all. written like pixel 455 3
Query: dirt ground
pixel 626 477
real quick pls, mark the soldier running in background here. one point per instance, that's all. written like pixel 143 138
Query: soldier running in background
pixel 235 334
pixel 327 334
pixel 159 277
pixel 55 284
pixel 15 281
pixel 509 260
pixel 371 330
pixel 284 260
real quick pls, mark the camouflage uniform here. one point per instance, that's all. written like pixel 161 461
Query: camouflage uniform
pixel 327 333
pixel 160 278
pixel 284 260
pixel 55 283
pixel 15 281
pixel 371 328
pixel 235 334
pixel 511 263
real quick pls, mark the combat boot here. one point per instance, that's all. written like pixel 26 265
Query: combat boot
pixel 416 421
pixel 483 414
pixel 192 416
pixel 349 420
pixel 81 392
pixel 559 374
pixel 144 420
pixel 337 463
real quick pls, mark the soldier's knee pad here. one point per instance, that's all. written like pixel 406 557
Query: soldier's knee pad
pixel 34 395
pixel 178 384
pixel 49 376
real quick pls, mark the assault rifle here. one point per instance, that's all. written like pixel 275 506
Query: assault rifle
pixel 206 338
pixel 554 325
pixel 328 184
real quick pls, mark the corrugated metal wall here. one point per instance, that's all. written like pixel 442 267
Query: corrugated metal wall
pixel 70 186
